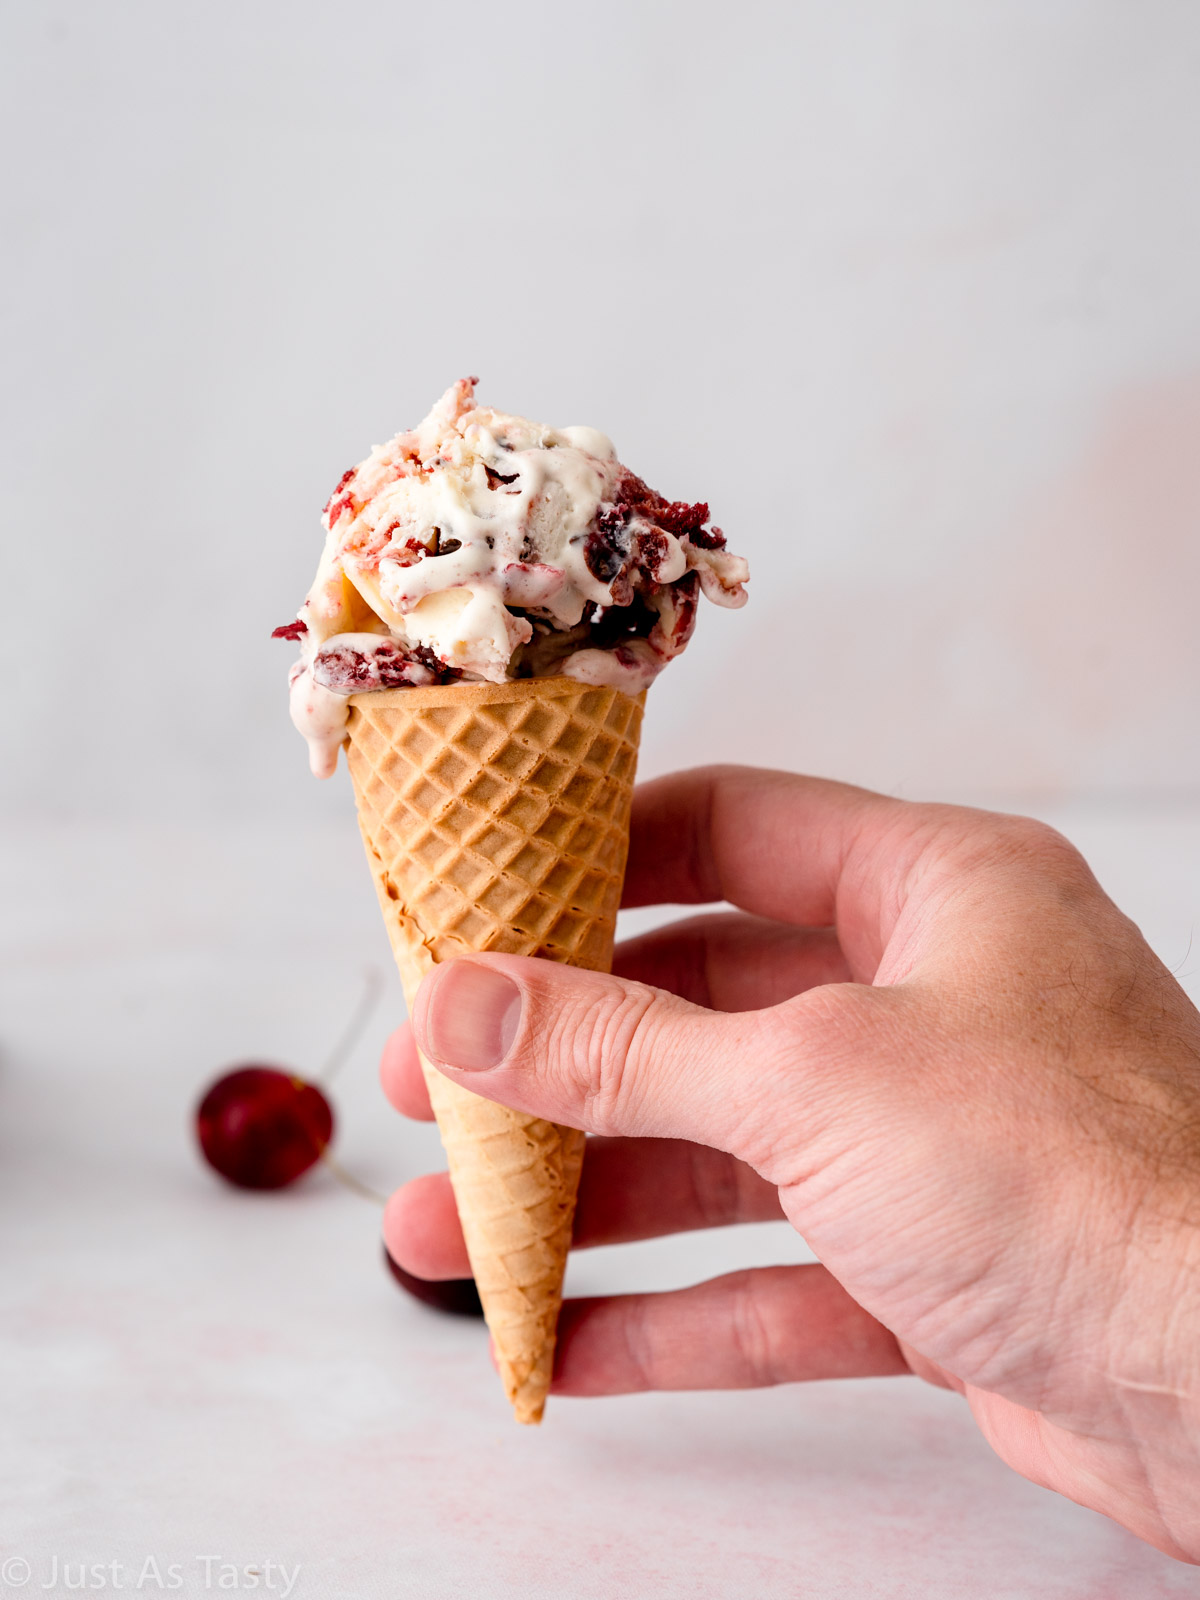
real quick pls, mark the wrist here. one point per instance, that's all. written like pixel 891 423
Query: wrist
pixel 1152 1374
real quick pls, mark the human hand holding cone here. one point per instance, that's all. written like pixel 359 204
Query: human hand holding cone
pixel 496 818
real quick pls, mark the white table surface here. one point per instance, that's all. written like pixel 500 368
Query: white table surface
pixel 192 1372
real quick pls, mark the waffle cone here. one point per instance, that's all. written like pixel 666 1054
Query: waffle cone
pixel 496 818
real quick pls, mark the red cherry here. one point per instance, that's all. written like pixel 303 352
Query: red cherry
pixel 459 1296
pixel 262 1128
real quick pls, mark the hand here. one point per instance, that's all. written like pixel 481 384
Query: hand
pixel 931 1041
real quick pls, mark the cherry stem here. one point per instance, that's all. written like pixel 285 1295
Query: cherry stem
pixel 350 1181
pixel 341 1053
pixel 355 1028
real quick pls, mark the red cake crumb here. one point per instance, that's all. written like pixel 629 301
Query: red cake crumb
pixel 341 498
pixel 651 552
pixel 681 519
pixel 707 538
pixel 685 520
pixel 388 665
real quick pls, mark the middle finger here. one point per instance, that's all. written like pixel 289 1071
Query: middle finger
pixel 630 1189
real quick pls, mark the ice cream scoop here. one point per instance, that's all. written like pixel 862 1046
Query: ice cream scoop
pixel 483 547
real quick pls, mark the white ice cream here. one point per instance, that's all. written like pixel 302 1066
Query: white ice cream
pixel 474 545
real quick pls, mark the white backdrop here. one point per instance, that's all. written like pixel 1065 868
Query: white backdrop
pixel 907 293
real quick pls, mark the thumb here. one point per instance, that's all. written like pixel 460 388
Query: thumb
pixel 612 1056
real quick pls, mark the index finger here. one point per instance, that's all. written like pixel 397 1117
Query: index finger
pixel 769 842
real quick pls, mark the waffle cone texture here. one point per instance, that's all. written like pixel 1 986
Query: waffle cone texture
pixel 496 818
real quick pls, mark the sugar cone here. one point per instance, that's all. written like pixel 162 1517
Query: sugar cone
pixel 496 817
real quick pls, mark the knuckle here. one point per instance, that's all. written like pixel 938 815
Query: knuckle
pixel 972 842
pixel 607 1051
pixel 751 1337
pixel 640 1347
pixel 1026 842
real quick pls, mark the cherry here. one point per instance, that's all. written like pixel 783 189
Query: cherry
pixel 459 1296
pixel 262 1128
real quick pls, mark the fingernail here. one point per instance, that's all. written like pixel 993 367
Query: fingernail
pixel 472 1017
